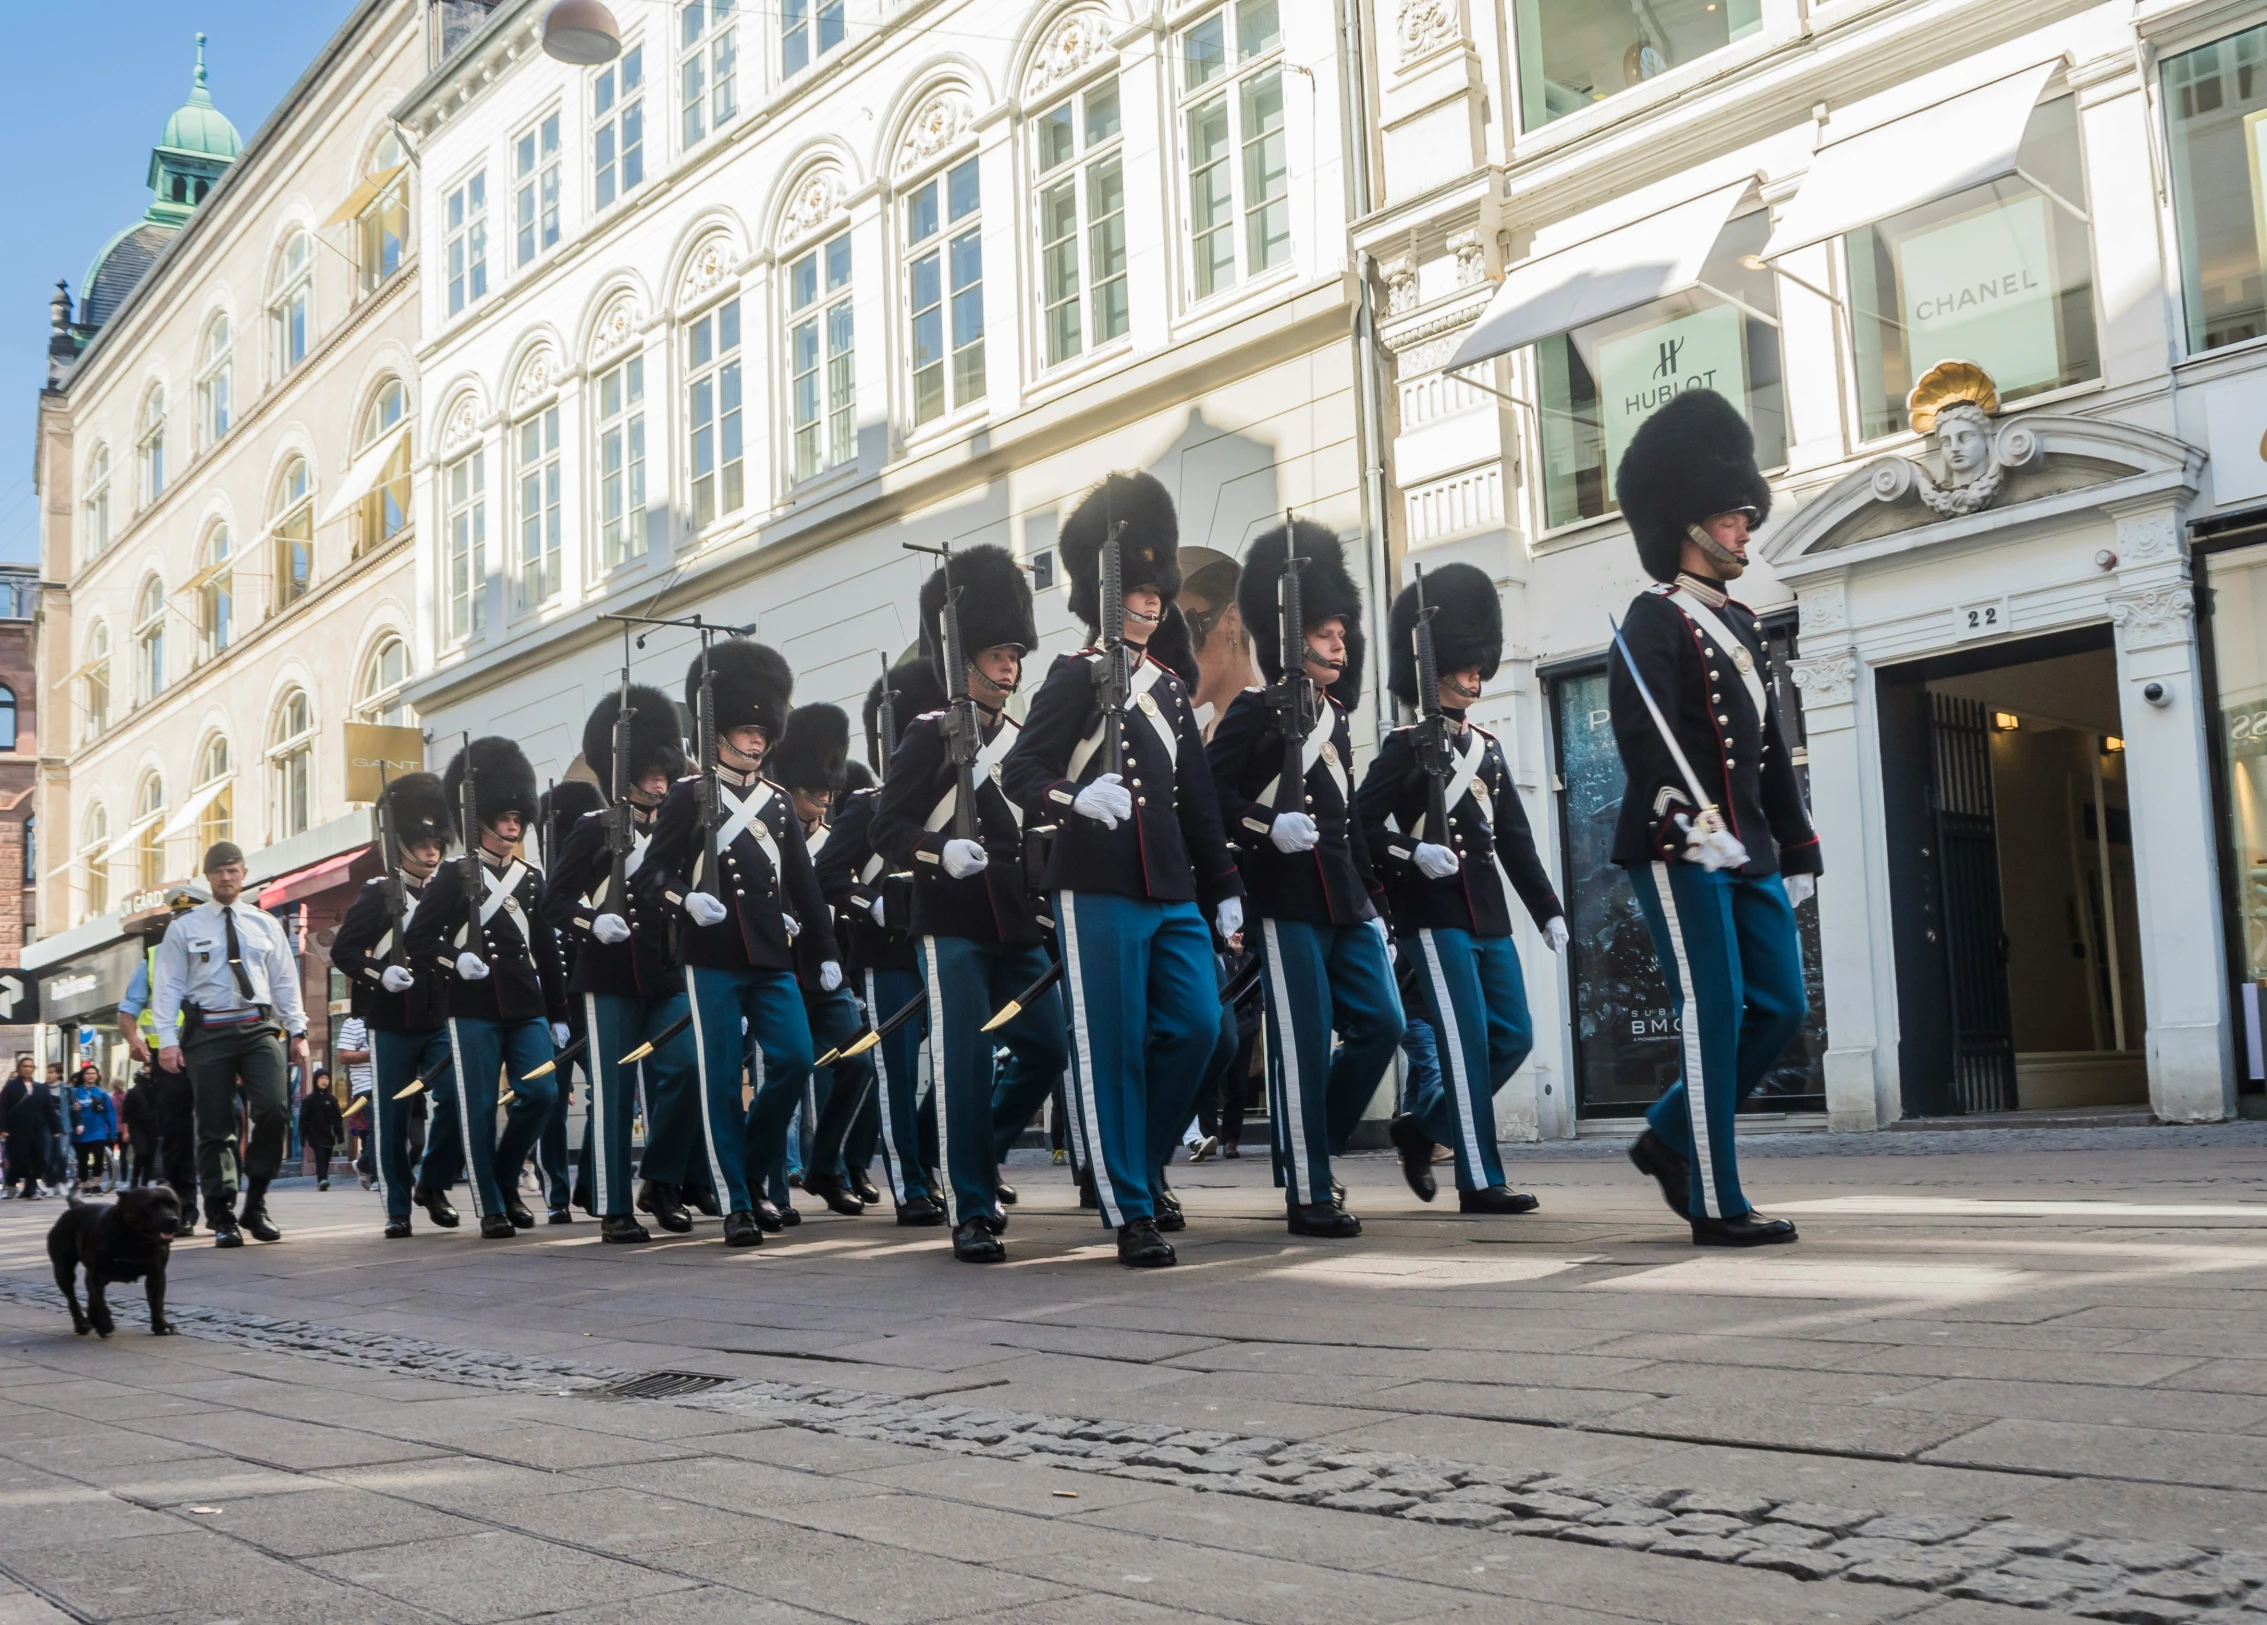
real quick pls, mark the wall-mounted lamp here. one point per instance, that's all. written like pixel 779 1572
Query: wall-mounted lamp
pixel 2006 721
pixel 2112 744
pixel 582 32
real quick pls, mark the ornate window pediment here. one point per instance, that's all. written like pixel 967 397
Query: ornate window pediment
pixel 813 203
pixel 708 269
pixel 1074 44
pixel 617 327
pixel 945 117
pixel 538 377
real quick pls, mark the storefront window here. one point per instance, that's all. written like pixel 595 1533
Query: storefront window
pixel 1598 383
pixel 2000 274
pixel 1576 52
pixel 2216 107
pixel 2238 599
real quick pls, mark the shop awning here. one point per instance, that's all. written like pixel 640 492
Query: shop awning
pixel 185 819
pixel 131 837
pixel 1635 265
pixel 1965 141
pixel 308 881
pixel 364 195
pixel 362 478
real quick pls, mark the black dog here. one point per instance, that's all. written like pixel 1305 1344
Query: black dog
pixel 126 1240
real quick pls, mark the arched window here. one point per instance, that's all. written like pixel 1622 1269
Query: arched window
pixel 216 382
pixel 290 303
pixel 216 593
pixel 382 228
pixel 377 695
pixel 150 449
pixel 384 513
pixel 713 411
pixel 292 524
pixel 149 818
pixel 291 767
pixel 1079 161
pixel 536 442
pixel 620 422
pixel 149 642
pixel 94 679
pixel 7 717
pixel 821 371
pixel 97 507
pixel 218 820
pixel 94 839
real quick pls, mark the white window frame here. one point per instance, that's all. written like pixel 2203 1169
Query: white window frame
pixel 465 232
pixel 216 382
pixel 94 698
pixel 716 397
pixel 291 306
pixel 90 853
pixel 708 69
pixel 149 451
pixel 216 594
pixel 1229 90
pixel 149 641
pixel 808 29
pixel 96 542
pixel 464 498
pixel 218 822
pixel 1080 169
pixel 538 165
pixel 378 697
pixel 934 257
pixel 292 529
pixel 825 322
pixel 389 208
pixel 619 441
pixel 536 465
pixel 149 851
pixel 291 769
pixel 618 127
pixel 389 496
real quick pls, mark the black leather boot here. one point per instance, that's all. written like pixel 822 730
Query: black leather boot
pixel 830 1189
pixel 1324 1219
pixel 1748 1230
pixel 659 1198
pixel 743 1230
pixel 974 1243
pixel 1655 1156
pixel 920 1212
pixel 1416 1155
pixel 497 1227
pixel 255 1217
pixel 621 1227
pixel 436 1206
pixel 1140 1247
pixel 1495 1199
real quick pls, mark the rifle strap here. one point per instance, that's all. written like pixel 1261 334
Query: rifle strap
pixel 1469 754
pixel 634 861
pixel 499 897
pixel 1734 650
pixel 745 818
pixel 1145 678
pixel 1312 751
pixel 988 762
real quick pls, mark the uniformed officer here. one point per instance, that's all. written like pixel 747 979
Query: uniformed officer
pixel 1718 867
pixel 504 978
pixel 977 936
pixel 1450 891
pixel 225 988
pixel 556 1175
pixel 622 975
pixel 736 948
pixel 172 1154
pixel 1136 861
pixel 1307 874
pixel 402 1007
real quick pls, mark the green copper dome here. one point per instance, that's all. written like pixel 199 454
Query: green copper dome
pixel 199 127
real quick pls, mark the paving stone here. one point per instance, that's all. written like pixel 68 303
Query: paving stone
pixel 1723 1503
pixel 1707 1524
pixel 2139 1555
pixel 1926 1528
pixel 1461 1514
pixel 2022 1538
pixel 1707 1548
pixel 2249 1567
pixel 1811 1515
pixel 1543 1504
pixel 2060 1571
pixel 1803 1565
pixel 1633 1538
pixel 1787 1537
pixel 1924 1572
pixel 2010 1590
pixel 2131 1610
pixel 2177 1585
pixel 1367 1501
pixel 1874 1549
pixel 1626 1515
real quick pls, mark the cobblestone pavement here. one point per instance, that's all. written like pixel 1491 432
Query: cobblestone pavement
pixel 2020 1376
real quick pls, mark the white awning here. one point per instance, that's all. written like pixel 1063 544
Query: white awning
pixel 1970 139
pixel 364 195
pixel 1635 265
pixel 362 478
pixel 131 837
pixel 184 820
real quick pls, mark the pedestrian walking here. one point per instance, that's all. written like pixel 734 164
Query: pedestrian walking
pixel 94 1125
pixel 322 1126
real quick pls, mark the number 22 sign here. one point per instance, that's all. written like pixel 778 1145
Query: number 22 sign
pixel 1988 619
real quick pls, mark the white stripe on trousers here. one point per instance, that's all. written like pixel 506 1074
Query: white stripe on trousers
pixel 890 1153
pixel 1287 1066
pixel 1082 1071
pixel 700 1083
pixel 594 1109
pixel 934 988
pixel 1454 1046
pixel 464 1121
pixel 1696 1065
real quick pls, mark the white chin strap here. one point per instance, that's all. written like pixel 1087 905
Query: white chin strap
pixel 1717 553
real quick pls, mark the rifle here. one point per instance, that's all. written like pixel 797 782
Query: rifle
pixel 621 818
pixel 704 744
pixel 397 889
pixel 1292 701
pixel 885 720
pixel 1433 749
pixel 960 730
pixel 475 886
pixel 1111 678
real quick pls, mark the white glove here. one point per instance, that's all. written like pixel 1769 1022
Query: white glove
pixel 1294 832
pixel 472 967
pixel 1385 935
pixel 789 923
pixel 964 858
pixel 1435 862
pixel 397 979
pixel 830 976
pixel 1228 918
pixel 1107 801
pixel 561 1035
pixel 1555 934
pixel 610 929
pixel 878 910
pixel 1712 846
pixel 704 909
pixel 1801 889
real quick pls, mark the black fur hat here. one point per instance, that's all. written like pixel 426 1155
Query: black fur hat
pixel 1325 590
pixel 1149 550
pixel 811 753
pixel 505 781
pixel 563 804
pixel 753 684
pixel 653 737
pixel 858 776
pixel 1170 646
pixel 1467 627
pixel 419 810
pixel 918 691
pixel 995 604
pixel 1693 458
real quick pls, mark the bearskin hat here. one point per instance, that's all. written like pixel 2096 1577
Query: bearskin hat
pixel 1169 645
pixel 504 780
pixel 563 805
pixel 1325 590
pixel 1693 458
pixel 418 809
pixel 995 605
pixel 1467 627
pixel 752 681
pixel 918 691
pixel 857 776
pixel 653 737
pixel 1149 549
pixel 811 753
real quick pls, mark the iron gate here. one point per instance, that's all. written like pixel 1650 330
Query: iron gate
pixel 1975 938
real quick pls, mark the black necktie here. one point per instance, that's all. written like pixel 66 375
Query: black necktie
pixel 236 956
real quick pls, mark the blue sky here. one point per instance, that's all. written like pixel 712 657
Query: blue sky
pixel 90 92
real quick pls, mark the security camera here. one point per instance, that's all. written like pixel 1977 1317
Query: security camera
pixel 2157 694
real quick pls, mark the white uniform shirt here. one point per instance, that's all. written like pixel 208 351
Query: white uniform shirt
pixel 193 968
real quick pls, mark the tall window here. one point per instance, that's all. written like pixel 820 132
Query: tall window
pixel 149 642
pixel 1082 221
pixel 807 29
pixel 291 767
pixel 539 507
pixel 821 386
pixel 293 531
pixel 289 301
pixel 712 412
pixel 216 382
pixel 149 818
pixel 1575 52
pixel 468 242
pixel 946 291
pixel 377 694
pixel 218 821
pixel 708 73
pixel 7 717
pixel 2216 105
pixel 617 106
pixel 91 849
pixel 535 189
pixel 150 452
pixel 621 462
pixel 216 594
pixel 384 512
pixel 94 700
pixel 1239 206
pixel 97 507
pixel 466 485
pixel 382 228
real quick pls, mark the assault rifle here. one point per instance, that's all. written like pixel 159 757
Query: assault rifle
pixel 1433 748
pixel 468 865
pixel 960 730
pixel 397 889
pixel 1293 701
pixel 1111 678
pixel 885 721
pixel 621 817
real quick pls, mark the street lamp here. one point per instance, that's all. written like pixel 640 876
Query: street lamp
pixel 582 32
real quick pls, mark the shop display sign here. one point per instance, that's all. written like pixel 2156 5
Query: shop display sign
pixel 1982 288
pixel 1640 372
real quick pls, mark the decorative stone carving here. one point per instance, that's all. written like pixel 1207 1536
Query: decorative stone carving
pixel 1825 679
pixel 816 200
pixel 617 327
pixel 944 118
pixel 2144 537
pixel 1424 26
pixel 1953 405
pixel 1429 356
pixel 1400 287
pixel 711 264
pixel 2154 616
pixel 1825 608
pixel 1071 47
pixel 537 379
pixel 462 424
pixel 1471 258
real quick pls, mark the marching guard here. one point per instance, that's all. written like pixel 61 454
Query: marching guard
pixel 1713 831
pixel 1305 862
pixel 978 940
pixel 624 978
pixel 1112 758
pixel 403 1007
pixel 481 927
pixel 1453 843
pixel 564 806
